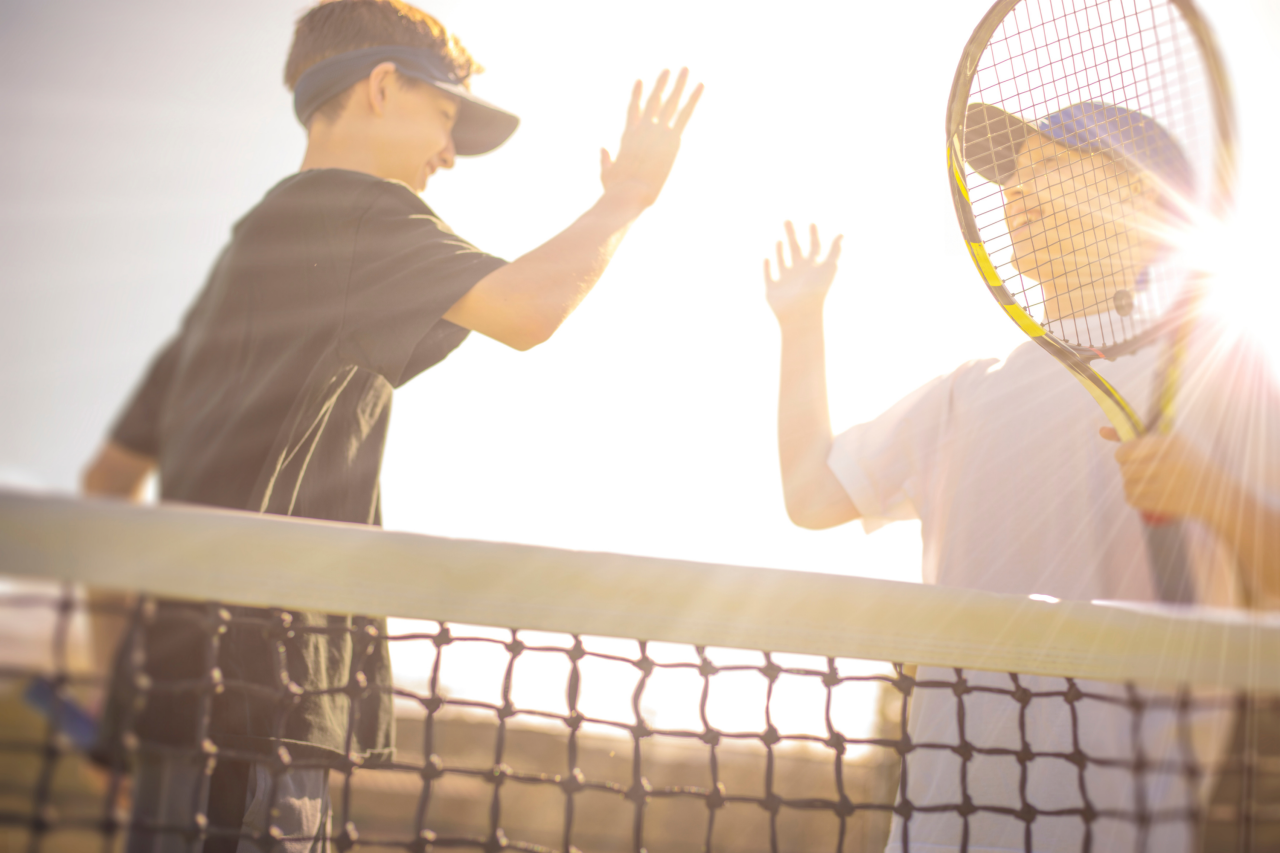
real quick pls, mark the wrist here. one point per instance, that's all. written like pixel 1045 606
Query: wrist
pixel 624 200
pixel 800 319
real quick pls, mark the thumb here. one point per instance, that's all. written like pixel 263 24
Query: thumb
pixel 1109 433
pixel 605 161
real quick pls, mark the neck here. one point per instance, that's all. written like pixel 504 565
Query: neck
pixel 1074 305
pixel 1088 298
pixel 337 147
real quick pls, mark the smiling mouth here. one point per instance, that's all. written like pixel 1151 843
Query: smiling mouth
pixel 1021 233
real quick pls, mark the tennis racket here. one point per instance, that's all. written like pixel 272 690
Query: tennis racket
pixel 1087 142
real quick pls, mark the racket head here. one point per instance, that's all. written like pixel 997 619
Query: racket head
pixel 1102 132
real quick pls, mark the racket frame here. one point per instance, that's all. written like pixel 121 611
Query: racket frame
pixel 1122 416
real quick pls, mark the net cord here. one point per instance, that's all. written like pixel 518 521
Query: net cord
pixel 261 561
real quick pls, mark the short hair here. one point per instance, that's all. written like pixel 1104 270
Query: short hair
pixel 337 26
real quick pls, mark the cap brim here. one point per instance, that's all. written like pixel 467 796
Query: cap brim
pixel 481 126
pixel 991 140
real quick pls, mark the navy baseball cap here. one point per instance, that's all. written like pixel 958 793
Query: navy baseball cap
pixel 992 138
pixel 480 128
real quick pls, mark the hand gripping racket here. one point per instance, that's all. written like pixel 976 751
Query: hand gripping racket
pixel 1087 141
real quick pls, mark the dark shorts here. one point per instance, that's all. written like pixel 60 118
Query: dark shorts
pixel 167 796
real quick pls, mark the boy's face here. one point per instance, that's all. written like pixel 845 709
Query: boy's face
pixel 415 132
pixel 1083 226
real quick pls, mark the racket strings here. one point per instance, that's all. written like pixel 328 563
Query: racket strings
pixel 1047 56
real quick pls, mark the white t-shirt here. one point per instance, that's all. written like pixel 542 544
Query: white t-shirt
pixel 1002 462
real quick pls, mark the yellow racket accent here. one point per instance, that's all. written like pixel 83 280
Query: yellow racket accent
pixel 982 261
pixel 1162 419
pixel 1024 320
pixel 1119 413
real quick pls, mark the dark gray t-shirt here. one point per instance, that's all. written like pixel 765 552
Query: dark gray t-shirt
pixel 275 397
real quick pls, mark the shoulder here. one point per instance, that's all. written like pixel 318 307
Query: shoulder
pixel 982 371
pixel 345 189
pixel 981 384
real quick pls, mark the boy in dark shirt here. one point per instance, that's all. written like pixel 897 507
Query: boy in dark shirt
pixel 274 396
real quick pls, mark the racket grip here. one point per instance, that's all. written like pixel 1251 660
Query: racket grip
pixel 1155 519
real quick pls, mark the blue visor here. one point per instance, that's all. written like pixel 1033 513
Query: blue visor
pixel 992 138
pixel 481 126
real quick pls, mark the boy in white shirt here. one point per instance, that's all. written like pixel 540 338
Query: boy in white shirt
pixel 1002 463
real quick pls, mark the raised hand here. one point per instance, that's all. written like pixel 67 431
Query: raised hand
pixel 650 141
pixel 801 287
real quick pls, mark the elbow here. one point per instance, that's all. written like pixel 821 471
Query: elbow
pixel 808 519
pixel 93 479
pixel 529 340
pixel 532 332
pixel 804 514
pixel 819 508
pixel 117 472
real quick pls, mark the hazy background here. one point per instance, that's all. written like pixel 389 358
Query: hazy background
pixel 132 135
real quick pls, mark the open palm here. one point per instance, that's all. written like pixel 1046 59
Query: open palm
pixel 802 286
pixel 650 140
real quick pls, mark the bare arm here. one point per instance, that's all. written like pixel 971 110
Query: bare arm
pixel 1165 474
pixel 117 472
pixel 523 303
pixel 814 497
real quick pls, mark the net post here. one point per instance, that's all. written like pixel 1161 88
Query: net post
pixel 638 793
pixel 711 737
pixel 572 784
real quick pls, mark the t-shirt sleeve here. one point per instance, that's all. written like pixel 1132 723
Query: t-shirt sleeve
pixel 882 463
pixel 407 270
pixel 138 426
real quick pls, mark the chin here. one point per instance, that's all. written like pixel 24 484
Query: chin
pixel 1030 267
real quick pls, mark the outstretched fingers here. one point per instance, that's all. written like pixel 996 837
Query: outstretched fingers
pixel 633 108
pixel 782 264
pixel 673 100
pixel 793 242
pixel 687 112
pixel 833 254
pixel 768 273
pixel 654 104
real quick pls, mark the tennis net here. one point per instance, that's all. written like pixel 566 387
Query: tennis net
pixel 557 700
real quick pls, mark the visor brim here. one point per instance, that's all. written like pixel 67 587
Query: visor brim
pixel 481 126
pixel 991 141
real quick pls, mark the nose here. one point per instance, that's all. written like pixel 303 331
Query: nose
pixel 448 155
pixel 1019 207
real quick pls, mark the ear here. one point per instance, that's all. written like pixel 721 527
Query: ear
pixel 380 80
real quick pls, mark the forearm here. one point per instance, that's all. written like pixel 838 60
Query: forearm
pixel 1253 530
pixel 523 303
pixel 814 496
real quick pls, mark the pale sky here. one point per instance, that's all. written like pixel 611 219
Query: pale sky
pixel 133 135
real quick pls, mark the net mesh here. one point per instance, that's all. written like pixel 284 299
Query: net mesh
pixel 1088 213
pixel 543 740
